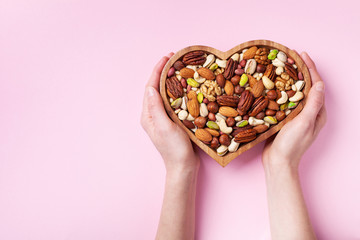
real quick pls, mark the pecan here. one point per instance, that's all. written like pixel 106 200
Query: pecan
pixel 174 87
pixel 245 136
pixel 230 68
pixel 289 69
pixel 261 56
pixel 194 58
pixel 246 99
pixel 259 105
pixel 270 72
pixel 236 130
pixel 230 101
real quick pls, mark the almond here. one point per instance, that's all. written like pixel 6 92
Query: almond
pixel 203 135
pixel 193 104
pixel 252 80
pixel 187 73
pixel 206 73
pixel 273 105
pixel 260 128
pixel 229 88
pixel 213 132
pixel 250 53
pixel 257 89
pixel 228 111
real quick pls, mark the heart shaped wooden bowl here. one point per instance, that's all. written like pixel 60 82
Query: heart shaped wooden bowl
pixel 226 159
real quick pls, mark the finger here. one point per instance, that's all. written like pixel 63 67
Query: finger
pixel 320 120
pixel 315 77
pixel 155 76
pixel 155 107
pixel 314 102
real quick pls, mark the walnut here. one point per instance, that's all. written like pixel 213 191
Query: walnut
pixel 261 56
pixel 210 89
pixel 284 82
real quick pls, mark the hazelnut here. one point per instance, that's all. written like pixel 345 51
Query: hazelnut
pixel 270 112
pixel 280 115
pixel 200 122
pixel 213 107
pixel 224 139
pixel 260 115
pixel 220 80
pixel 246 117
pixel 272 95
pixel 278 94
pixel 206 101
pixel 214 143
pixel 211 116
pixel 290 93
pixel 230 121
pixel 235 80
pixel 238 89
pixel 260 68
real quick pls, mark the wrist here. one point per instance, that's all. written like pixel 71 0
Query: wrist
pixel 280 167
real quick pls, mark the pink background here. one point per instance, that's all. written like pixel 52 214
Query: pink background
pixel 74 161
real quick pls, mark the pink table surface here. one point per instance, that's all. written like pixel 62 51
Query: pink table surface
pixel 74 161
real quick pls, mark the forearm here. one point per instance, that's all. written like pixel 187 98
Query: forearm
pixel 177 220
pixel 287 209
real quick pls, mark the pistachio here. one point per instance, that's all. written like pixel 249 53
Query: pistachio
pixel 242 123
pixel 212 125
pixel 250 66
pixel 176 103
pixel 213 66
pixel 292 105
pixel 272 54
pixel 243 80
pixel 200 97
pixel 210 59
pixel 238 118
pixel 192 82
pixel 270 120
pixel 222 150
pixel 283 106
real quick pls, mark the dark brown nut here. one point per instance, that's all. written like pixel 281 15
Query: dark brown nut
pixel 246 117
pixel 260 128
pixel 239 71
pixel 260 68
pixel 188 124
pixel 213 107
pixel 272 95
pixel 230 122
pixel 270 112
pixel 188 88
pixel 246 100
pixel 258 106
pixel 261 56
pixel 224 139
pixel 243 63
pixel 220 80
pixel 238 90
pixel 183 83
pixel 273 105
pixel 200 122
pixel 178 65
pixel 194 58
pixel 211 116
pixel 258 89
pixel 235 80
pixel 290 93
pixel 236 130
pixel 280 115
pixel 270 72
pixel 289 69
pixel 214 143
pixel 231 65
pixel 245 136
pixel 206 101
pixel 174 88
pixel 260 115
pixel 229 101
pixel 278 94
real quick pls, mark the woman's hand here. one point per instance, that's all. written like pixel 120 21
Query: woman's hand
pixel 297 135
pixel 170 140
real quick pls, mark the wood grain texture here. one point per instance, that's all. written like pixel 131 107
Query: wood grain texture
pixel 224 160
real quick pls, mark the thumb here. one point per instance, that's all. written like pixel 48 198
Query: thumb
pixel 315 101
pixel 155 107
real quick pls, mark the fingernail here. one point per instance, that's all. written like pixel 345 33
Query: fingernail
pixel 150 91
pixel 319 87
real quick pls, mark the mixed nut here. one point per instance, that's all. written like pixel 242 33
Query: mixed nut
pixel 229 102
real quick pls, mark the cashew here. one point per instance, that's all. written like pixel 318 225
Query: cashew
pixel 236 57
pixel 277 63
pixel 193 67
pixel 279 70
pixel 190 118
pixel 233 145
pixel 238 118
pixel 177 110
pixel 224 128
pixel 287 112
pixel 178 77
pixel 198 78
pixel 182 115
pixel 299 85
pixel 184 103
pixel 203 110
pixel 281 56
pixel 221 63
pixel 293 87
pixel 294 65
pixel 283 99
pixel 268 83
pixel 297 97
pixel 241 56
pixel 218 117
pixel 254 121
pixel 210 59
pixel 222 150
